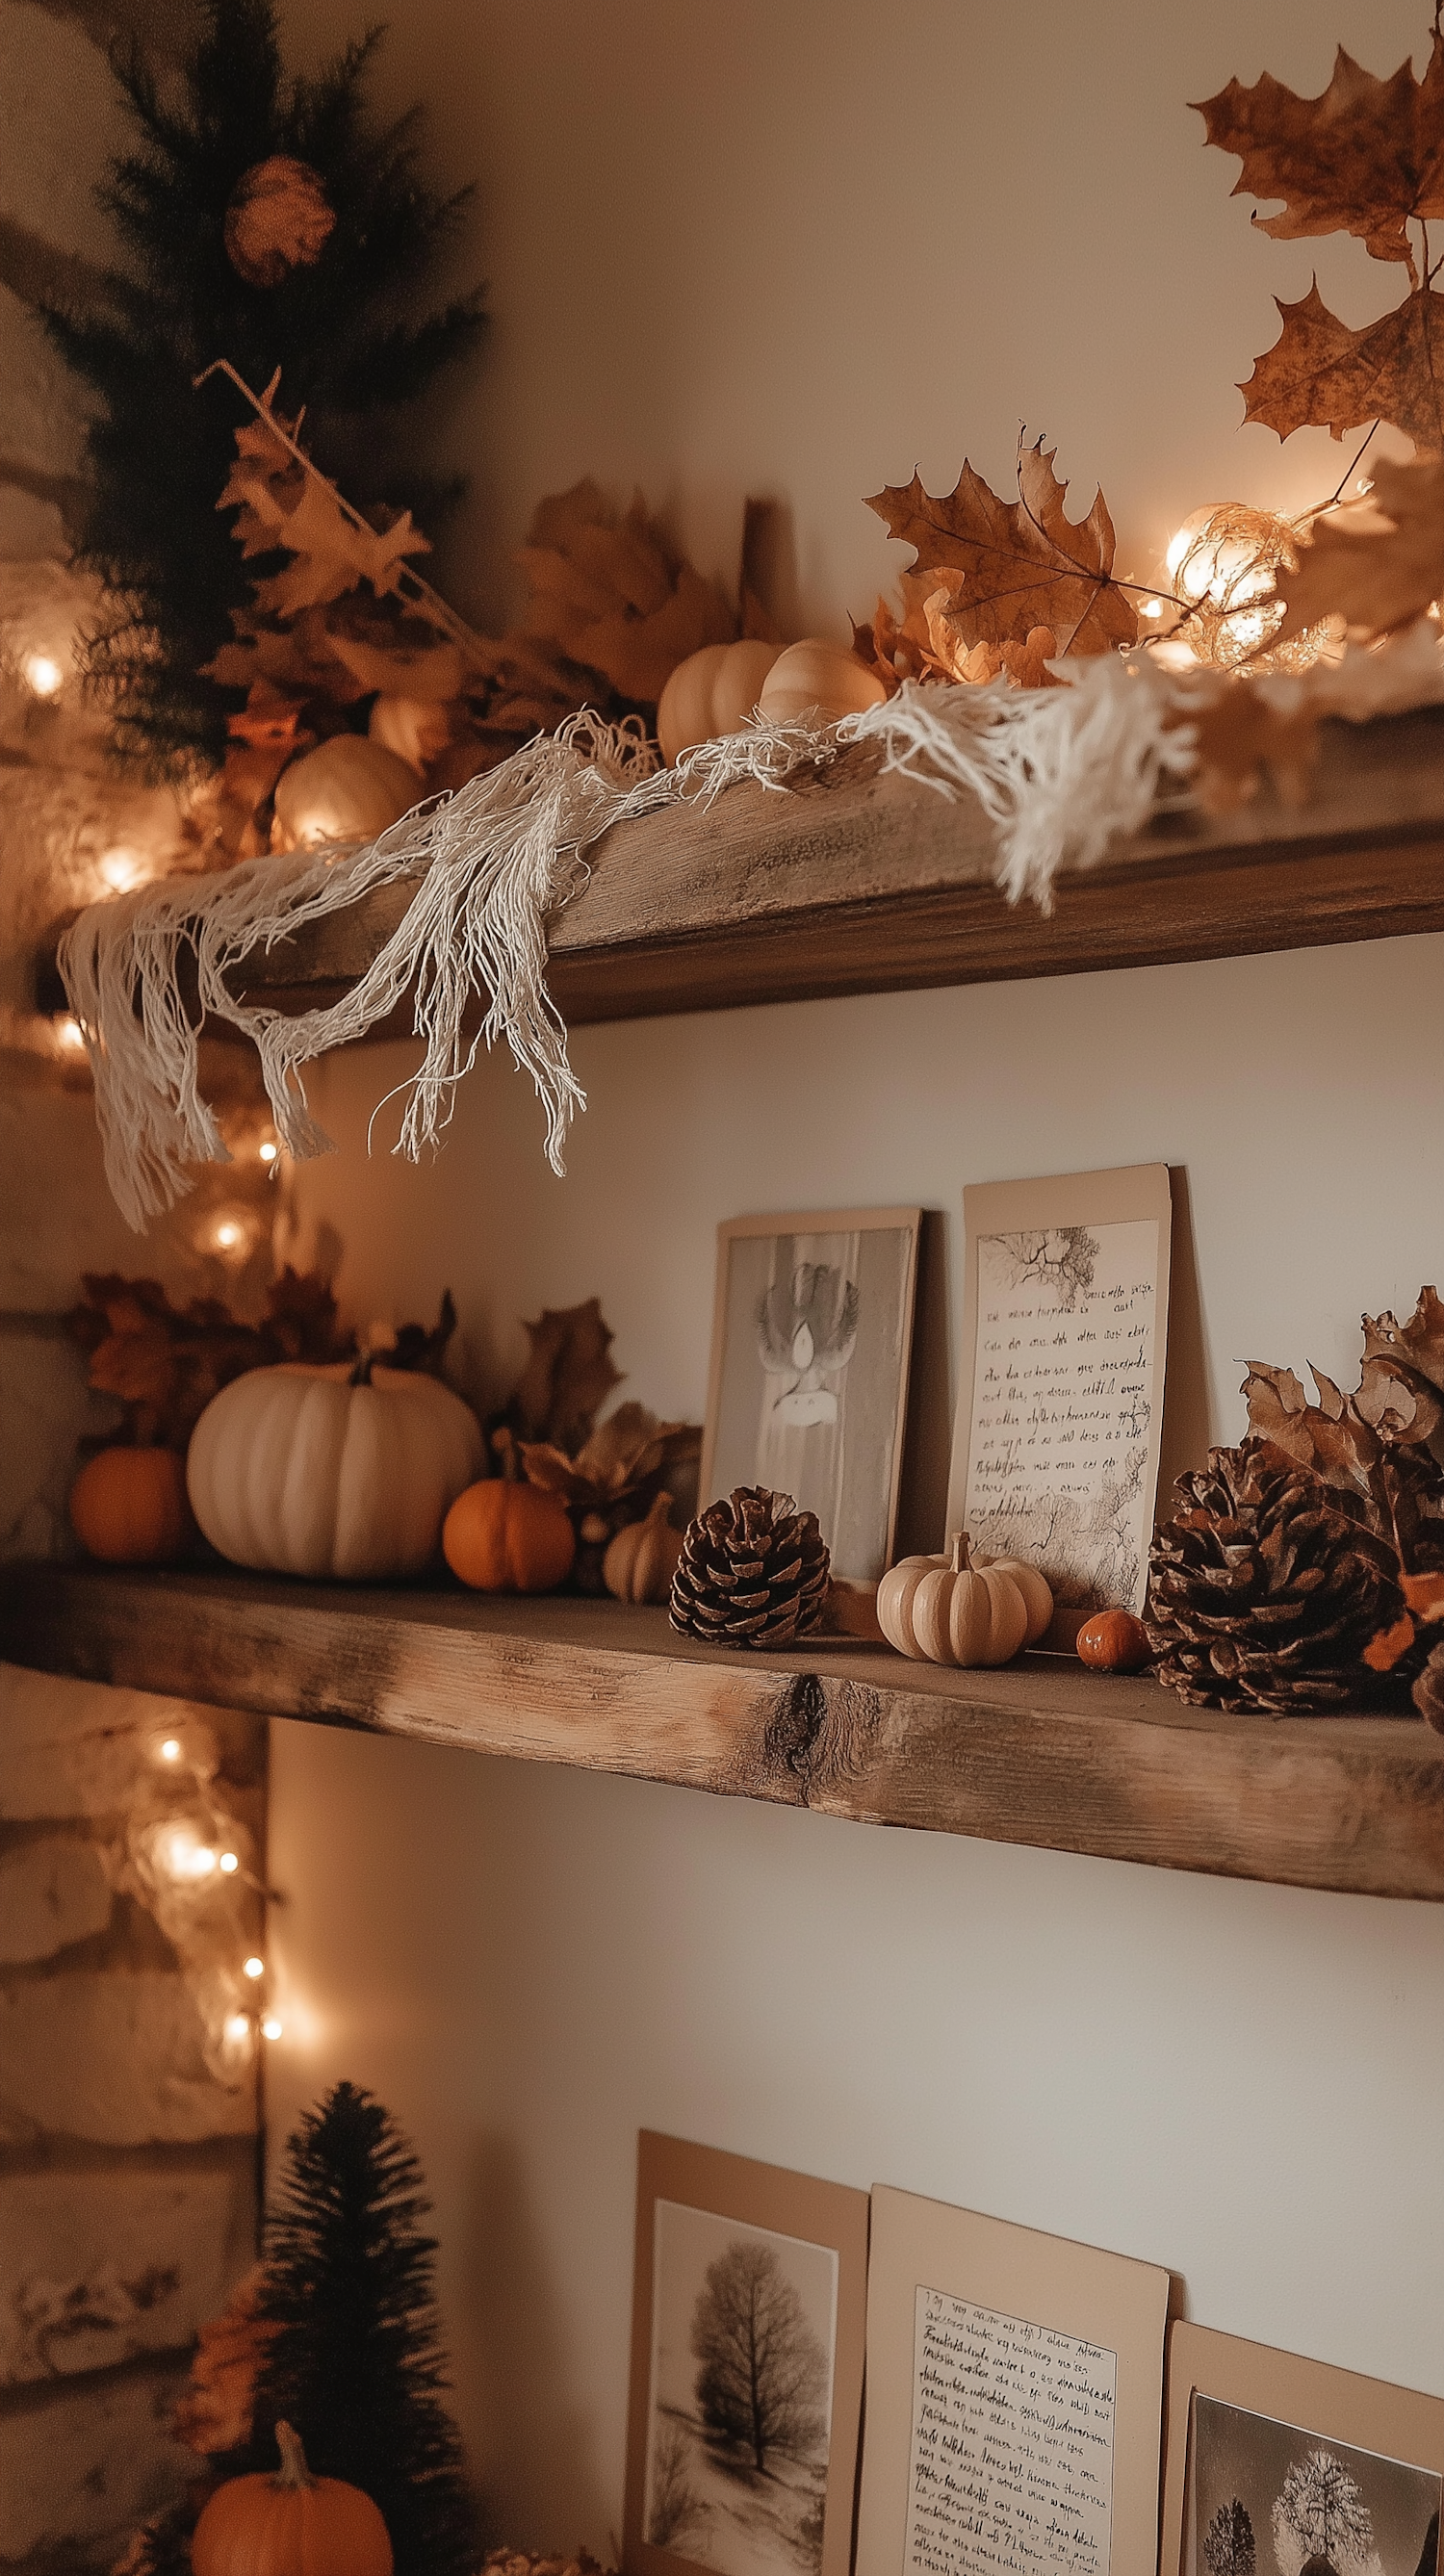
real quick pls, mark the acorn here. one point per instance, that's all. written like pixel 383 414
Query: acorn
pixel 1113 1641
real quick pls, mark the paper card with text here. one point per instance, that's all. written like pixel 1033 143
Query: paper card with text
pixel 1015 2388
pixel 1060 1413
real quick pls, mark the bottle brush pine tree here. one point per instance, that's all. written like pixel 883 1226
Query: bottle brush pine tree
pixel 264 219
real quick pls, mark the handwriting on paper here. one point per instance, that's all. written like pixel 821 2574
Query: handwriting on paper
pixel 1012 2447
pixel 1062 1405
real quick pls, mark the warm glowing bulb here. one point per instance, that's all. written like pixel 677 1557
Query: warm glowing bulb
pixel 271 2028
pixel 255 1968
pixel 1178 545
pixel 170 1751
pixel 1153 608
pixel 230 1861
pixel 122 869
pixel 229 1233
pixel 186 1858
pixel 42 675
pixel 70 1034
pixel 238 2026
pixel 269 1151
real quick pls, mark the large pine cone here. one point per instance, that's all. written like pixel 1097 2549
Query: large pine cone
pixel 1264 1589
pixel 753 1572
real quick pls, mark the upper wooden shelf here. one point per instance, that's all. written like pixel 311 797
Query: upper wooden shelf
pixel 852 885
pixel 1042 1753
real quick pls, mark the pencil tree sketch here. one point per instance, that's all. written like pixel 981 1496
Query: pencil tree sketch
pixel 677 2513
pixel 1059 1261
pixel 1321 2506
pixel 1228 2543
pixel 763 2374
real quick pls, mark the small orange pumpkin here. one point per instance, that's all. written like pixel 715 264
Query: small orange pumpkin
pixel 1113 1641
pixel 501 1536
pixel 288 2523
pixel 129 1506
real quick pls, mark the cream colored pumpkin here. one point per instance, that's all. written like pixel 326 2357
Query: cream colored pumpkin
pixel 642 1558
pixel 945 1610
pixel 345 1471
pixel 347 789
pixel 713 692
pixel 1033 1586
pixel 818 678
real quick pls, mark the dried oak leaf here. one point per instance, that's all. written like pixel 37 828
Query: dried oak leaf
pixel 614 596
pixel 1379 568
pixel 213 2412
pixel 1365 157
pixel 1383 1464
pixel 621 1455
pixel 1240 736
pixel 1419 1342
pixel 1321 374
pixel 567 1377
pixel 1013 566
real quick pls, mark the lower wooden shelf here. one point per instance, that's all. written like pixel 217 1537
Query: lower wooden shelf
pixel 1042 1752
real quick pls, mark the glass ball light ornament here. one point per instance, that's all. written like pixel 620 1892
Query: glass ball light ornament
pixel 1222 563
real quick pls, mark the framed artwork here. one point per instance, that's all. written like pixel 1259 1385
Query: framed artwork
pixel 811 1346
pixel 1060 1398
pixel 749 2310
pixel 1274 2461
pixel 1014 2400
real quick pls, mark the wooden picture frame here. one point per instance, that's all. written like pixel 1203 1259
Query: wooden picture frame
pixel 824 1286
pixel 1310 2401
pixel 1023 1359
pixel 698 2207
pixel 985 2343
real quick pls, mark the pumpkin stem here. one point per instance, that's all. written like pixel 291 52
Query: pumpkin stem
pixel 293 2471
pixel 506 1450
pixel 960 1552
pixel 658 1513
pixel 360 1376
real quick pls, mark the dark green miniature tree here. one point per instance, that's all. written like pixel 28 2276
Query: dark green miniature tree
pixel 345 321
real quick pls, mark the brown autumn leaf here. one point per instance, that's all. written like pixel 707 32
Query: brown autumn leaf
pixel 1321 374
pixel 1016 565
pixel 279 506
pixel 1242 736
pixel 623 1452
pixel 567 1377
pixel 614 596
pixel 1419 1342
pixel 214 2410
pixel 1378 567
pixel 1365 157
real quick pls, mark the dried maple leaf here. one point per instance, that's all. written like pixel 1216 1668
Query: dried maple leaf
pixel 1240 735
pixel 613 596
pixel 1321 374
pixel 1365 157
pixel 280 505
pixel 1419 1342
pixel 1016 565
pixel 1381 1465
pixel 626 1451
pixel 567 1377
pixel 213 2412
pixel 1380 567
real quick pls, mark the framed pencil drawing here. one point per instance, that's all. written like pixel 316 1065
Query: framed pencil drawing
pixel 1014 2399
pixel 1060 1402
pixel 811 1348
pixel 749 2309
pixel 1277 2461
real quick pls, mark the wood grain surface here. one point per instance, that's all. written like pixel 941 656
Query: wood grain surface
pixel 1041 1752
pixel 870 884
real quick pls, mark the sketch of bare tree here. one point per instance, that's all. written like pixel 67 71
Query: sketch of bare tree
pixel 1228 2543
pixel 1059 1259
pixel 763 2374
pixel 1321 2505
pixel 676 2511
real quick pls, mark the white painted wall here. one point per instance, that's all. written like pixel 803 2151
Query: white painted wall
pixel 797 250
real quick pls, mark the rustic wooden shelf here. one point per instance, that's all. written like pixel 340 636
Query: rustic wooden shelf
pixel 872 884
pixel 1042 1753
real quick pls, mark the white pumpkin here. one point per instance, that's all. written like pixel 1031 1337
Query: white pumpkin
pixel 346 1471
pixel 948 1610
pixel 713 692
pixel 347 789
pixel 818 678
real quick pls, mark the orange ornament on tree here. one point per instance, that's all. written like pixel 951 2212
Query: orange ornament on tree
pixel 278 219
pixel 129 1506
pixel 290 2524
pixel 500 1536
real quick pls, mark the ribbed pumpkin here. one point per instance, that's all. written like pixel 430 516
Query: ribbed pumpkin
pixel 503 1536
pixel 946 1610
pixel 128 1506
pixel 289 2523
pixel 818 678
pixel 642 1559
pixel 345 1471
pixel 713 692
pixel 347 789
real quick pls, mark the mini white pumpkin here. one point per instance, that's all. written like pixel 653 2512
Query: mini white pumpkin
pixel 347 789
pixel 946 1610
pixel 346 1471
pixel 818 678
pixel 713 692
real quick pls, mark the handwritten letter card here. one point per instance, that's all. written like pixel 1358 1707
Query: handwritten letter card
pixel 1012 2446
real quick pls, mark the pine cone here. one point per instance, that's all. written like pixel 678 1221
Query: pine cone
pixel 1429 1690
pixel 753 1572
pixel 1265 1588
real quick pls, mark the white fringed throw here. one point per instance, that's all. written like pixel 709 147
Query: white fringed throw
pixel 1059 772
